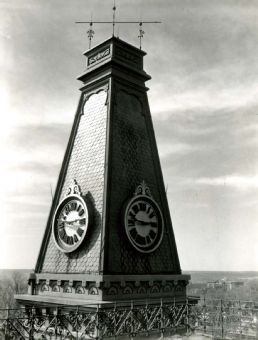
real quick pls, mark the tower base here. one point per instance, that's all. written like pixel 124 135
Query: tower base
pixel 105 319
pixel 81 289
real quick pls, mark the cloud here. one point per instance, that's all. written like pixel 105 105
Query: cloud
pixel 248 183
pixel 55 134
pixel 205 69
pixel 200 145
pixel 168 149
pixel 38 168
pixel 29 218
pixel 26 201
pixel 33 158
pixel 239 182
pixel 209 98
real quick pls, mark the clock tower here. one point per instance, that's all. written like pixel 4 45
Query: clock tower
pixel 109 235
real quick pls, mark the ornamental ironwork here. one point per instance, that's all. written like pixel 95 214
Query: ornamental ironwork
pixel 219 319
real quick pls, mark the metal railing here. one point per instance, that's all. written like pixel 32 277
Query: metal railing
pixel 226 319
pixel 219 319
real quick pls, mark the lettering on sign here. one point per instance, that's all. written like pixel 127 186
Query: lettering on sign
pixel 98 56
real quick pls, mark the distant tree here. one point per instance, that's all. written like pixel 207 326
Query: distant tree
pixel 15 284
pixel 248 292
pixel 19 282
pixel 7 296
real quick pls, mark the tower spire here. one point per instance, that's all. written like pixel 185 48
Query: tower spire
pixel 109 236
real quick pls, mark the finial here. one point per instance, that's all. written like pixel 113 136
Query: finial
pixel 74 188
pixel 113 22
pixel 90 32
pixel 143 189
pixel 114 17
pixel 141 33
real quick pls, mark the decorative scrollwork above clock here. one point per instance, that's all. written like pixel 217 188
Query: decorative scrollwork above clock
pixel 71 220
pixel 142 189
pixel 74 189
pixel 143 220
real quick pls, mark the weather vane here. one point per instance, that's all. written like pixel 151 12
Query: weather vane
pixel 90 32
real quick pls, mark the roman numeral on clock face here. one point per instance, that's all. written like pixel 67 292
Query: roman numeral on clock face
pixel 79 231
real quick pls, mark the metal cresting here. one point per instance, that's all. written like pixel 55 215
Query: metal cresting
pixel 219 319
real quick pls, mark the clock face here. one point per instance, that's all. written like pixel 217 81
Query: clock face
pixel 143 223
pixel 70 223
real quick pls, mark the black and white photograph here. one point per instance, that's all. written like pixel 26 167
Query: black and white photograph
pixel 129 169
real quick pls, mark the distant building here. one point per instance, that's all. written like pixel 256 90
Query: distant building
pixel 215 284
pixel 228 285
pixel 196 288
pixel 234 284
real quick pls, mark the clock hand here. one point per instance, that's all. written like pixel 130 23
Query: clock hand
pixel 77 220
pixel 150 224
pixel 72 221
pixel 75 226
pixel 145 221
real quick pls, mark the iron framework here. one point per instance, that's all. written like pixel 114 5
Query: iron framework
pixel 221 319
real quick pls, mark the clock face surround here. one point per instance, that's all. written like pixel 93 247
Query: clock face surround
pixel 70 223
pixel 143 223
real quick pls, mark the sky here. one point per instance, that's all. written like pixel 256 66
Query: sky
pixel 203 99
